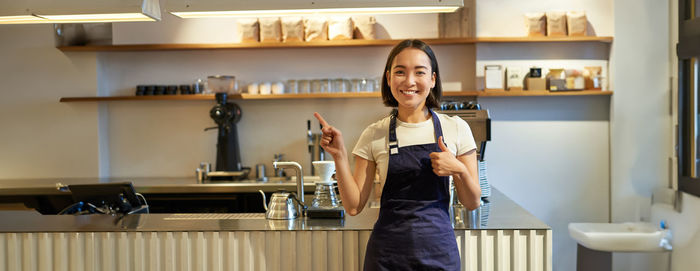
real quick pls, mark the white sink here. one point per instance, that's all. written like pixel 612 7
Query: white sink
pixel 619 237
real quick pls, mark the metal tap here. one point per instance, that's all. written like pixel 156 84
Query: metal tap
pixel 299 173
pixel 278 172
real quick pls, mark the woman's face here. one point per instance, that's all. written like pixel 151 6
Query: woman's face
pixel 411 78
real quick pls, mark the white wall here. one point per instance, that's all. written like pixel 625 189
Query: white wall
pixel 640 116
pixel 40 137
pixel 685 225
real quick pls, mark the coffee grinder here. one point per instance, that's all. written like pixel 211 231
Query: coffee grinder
pixel 325 203
pixel 228 155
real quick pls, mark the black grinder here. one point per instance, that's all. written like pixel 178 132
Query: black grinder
pixel 226 115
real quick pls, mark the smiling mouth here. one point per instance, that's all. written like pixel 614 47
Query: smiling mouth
pixel 409 92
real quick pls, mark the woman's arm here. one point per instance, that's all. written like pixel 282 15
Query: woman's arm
pixel 356 186
pixel 463 170
pixel 467 182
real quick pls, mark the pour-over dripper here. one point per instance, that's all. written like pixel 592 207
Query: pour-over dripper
pixel 324 170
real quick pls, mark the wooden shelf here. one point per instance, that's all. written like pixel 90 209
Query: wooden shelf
pixel 317 44
pixel 210 97
pixel 521 93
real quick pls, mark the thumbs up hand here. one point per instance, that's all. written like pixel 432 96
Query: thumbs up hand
pixel 444 162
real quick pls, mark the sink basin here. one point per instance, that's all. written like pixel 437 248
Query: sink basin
pixel 618 237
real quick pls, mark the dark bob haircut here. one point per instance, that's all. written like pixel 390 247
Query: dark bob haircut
pixel 433 99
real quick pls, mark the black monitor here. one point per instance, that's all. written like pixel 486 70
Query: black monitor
pixel 110 194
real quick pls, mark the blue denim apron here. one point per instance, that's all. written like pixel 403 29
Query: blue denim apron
pixel 413 231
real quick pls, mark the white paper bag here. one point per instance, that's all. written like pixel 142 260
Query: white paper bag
pixel 340 28
pixel 315 28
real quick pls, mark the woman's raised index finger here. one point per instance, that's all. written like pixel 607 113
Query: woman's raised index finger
pixel 320 119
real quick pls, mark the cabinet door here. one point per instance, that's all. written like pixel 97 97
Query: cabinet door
pixel 688 51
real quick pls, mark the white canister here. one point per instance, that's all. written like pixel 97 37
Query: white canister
pixel 253 88
pixel 278 88
pixel 265 88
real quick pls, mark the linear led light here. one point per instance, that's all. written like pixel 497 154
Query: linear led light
pixel 22 19
pixel 266 8
pixel 79 11
pixel 299 12
pixel 94 18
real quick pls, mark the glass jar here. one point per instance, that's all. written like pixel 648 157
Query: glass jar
pixel 326 85
pixel 303 86
pixel 355 85
pixel 291 86
pixel 315 86
pixel 339 85
pixel 369 85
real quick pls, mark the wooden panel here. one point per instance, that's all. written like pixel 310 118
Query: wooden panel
pixel 492 93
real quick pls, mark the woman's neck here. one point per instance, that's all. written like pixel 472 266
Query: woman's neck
pixel 413 115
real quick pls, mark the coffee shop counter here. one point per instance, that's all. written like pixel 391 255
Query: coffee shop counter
pixel 503 235
pixel 20 187
pixel 164 195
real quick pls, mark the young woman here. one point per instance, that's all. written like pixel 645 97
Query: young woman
pixel 415 151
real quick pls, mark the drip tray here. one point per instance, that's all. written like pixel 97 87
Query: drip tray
pixel 337 212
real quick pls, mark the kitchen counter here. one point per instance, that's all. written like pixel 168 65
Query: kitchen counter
pixel 25 187
pixel 164 195
pixel 507 235
pixel 502 213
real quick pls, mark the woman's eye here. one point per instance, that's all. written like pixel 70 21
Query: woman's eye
pixel 398 72
pixel 420 73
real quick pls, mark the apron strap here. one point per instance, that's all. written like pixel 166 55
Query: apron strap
pixel 437 127
pixel 393 140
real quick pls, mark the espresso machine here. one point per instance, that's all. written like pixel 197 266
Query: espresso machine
pixel 228 155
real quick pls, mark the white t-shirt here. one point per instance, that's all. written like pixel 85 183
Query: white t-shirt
pixel 373 144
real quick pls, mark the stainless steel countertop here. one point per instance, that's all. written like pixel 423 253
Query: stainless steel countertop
pixel 25 187
pixel 503 213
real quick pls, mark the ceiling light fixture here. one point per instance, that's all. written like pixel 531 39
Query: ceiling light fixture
pixel 79 11
pixel 266 8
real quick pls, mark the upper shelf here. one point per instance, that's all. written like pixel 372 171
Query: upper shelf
pixel 471 93
pixel 316 44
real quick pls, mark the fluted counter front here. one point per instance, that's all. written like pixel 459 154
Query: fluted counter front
pixel 510 238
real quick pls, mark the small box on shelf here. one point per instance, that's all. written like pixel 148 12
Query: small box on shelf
pixel 514 79
pixel 493 78
pixel 534 83
pixel 557 84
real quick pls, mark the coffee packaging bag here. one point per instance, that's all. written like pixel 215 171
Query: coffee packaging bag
pixel 576 23
pixel 248 30
pixel 364 27
pixel 536 24
pixel 270 29
pixel 292 28
pixel 340 28
pixel 315 28
pixel 556 23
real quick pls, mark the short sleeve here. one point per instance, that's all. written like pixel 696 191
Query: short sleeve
pixel 363 148
pixel 465 139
